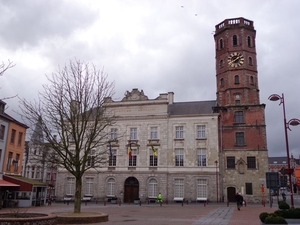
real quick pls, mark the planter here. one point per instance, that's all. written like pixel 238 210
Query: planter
pixel 28 219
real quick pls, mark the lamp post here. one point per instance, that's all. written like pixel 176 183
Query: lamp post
pixel 216 162
pixel 292 122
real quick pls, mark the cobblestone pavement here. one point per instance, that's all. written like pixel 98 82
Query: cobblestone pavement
pixel 175 214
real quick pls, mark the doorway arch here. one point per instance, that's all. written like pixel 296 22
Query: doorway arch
pixel 231 191
pixel 131 189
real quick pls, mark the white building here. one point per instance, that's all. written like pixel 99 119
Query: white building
pixel 183 135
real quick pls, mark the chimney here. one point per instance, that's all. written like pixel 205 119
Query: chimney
pixel 171 97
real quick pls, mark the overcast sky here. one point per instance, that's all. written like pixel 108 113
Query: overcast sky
pixel 154 45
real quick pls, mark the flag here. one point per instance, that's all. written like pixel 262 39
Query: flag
pixel 154 150
pixel 129 151
pixel 110 150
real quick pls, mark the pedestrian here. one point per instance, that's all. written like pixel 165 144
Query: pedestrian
pixel 239 200
pixel 159 198
pixel 283 196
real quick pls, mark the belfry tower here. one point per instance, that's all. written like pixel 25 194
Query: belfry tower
pixel 242 130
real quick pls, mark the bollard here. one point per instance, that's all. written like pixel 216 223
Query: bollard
pixel 67 202
pixel 182 203
pixel 167 201
pixel 140 202
pixel 104 202
pixel 119 202
pixel 204 203
pixel 160 203
pixel 187 202
pixel 245 203
pixel 227 203
pixel 85 203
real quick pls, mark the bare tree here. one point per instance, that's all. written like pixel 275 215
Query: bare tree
pixel 3 68
pixel 74 119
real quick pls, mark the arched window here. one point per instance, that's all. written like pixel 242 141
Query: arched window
pixel 249 43
pixel 111 187
pixel 221 63
pixel 234 40
pixel 221 44
pixel 152 188
pixel 251 80
pixel 236 79
pixel 250 61
pixel 222 82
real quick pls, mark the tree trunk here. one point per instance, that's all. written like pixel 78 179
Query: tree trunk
pixel 77 199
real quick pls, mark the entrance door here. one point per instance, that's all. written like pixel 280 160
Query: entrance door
pixel 231 194
pixel 131 189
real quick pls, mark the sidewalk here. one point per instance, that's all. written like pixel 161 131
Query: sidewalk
pixel 171 214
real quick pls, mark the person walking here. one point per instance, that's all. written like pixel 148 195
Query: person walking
pixel 239 200
pixel 159 198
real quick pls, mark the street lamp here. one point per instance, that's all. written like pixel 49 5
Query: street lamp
pixel 216 162
pixel 292 122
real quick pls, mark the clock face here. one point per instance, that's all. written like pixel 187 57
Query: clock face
pixel 235 59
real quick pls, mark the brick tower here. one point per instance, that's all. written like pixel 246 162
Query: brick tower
pixel 242 130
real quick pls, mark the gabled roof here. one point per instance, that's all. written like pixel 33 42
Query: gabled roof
pixel 189 108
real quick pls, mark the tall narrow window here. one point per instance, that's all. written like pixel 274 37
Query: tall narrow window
pixel 201 132
pixel 249 189
pixel 133 158
pixel 9 161
pixel 70 187
pixel 89 185
pixel 152 189
pixel 251 80
pixel 201 188
pixel 221 63
pixel 221 44
pixel 236 79
pixel 249 41
pixel 230 162
pixel 250 61
pixel 20 137
pixel 222 82
pixel 239 117
pixel 17 163
pixel 91 158
pixel 179 132
pixel 201 155
pixel 179 157
pixel 178 188
pixel 113 134
pixel 133 133
pixel 13 135
pixel 234 40
pixel 111 187
pixel 251 162
pixel 153 157
pixel 240 138
pixel 153 133
pixel 2 131
pixel 113 158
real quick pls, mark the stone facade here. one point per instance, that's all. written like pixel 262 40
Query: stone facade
pixel 155 122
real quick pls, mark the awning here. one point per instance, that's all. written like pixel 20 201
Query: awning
pixel 25 183
pixel 4 183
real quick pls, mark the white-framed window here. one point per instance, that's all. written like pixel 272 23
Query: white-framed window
pixel 91 158
pixel 113 158
pixel 70 187
pixel 152 188
pixel 178 188
pixel 201 134
pixel 89 183
pixel 153 133
pixel 179 157
pixel 111 187
pixel 113 134
pixel 133 158
pixel 179 132
pixel 201 188
pixel 201 156
pixel 133 133
pixel 153 157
